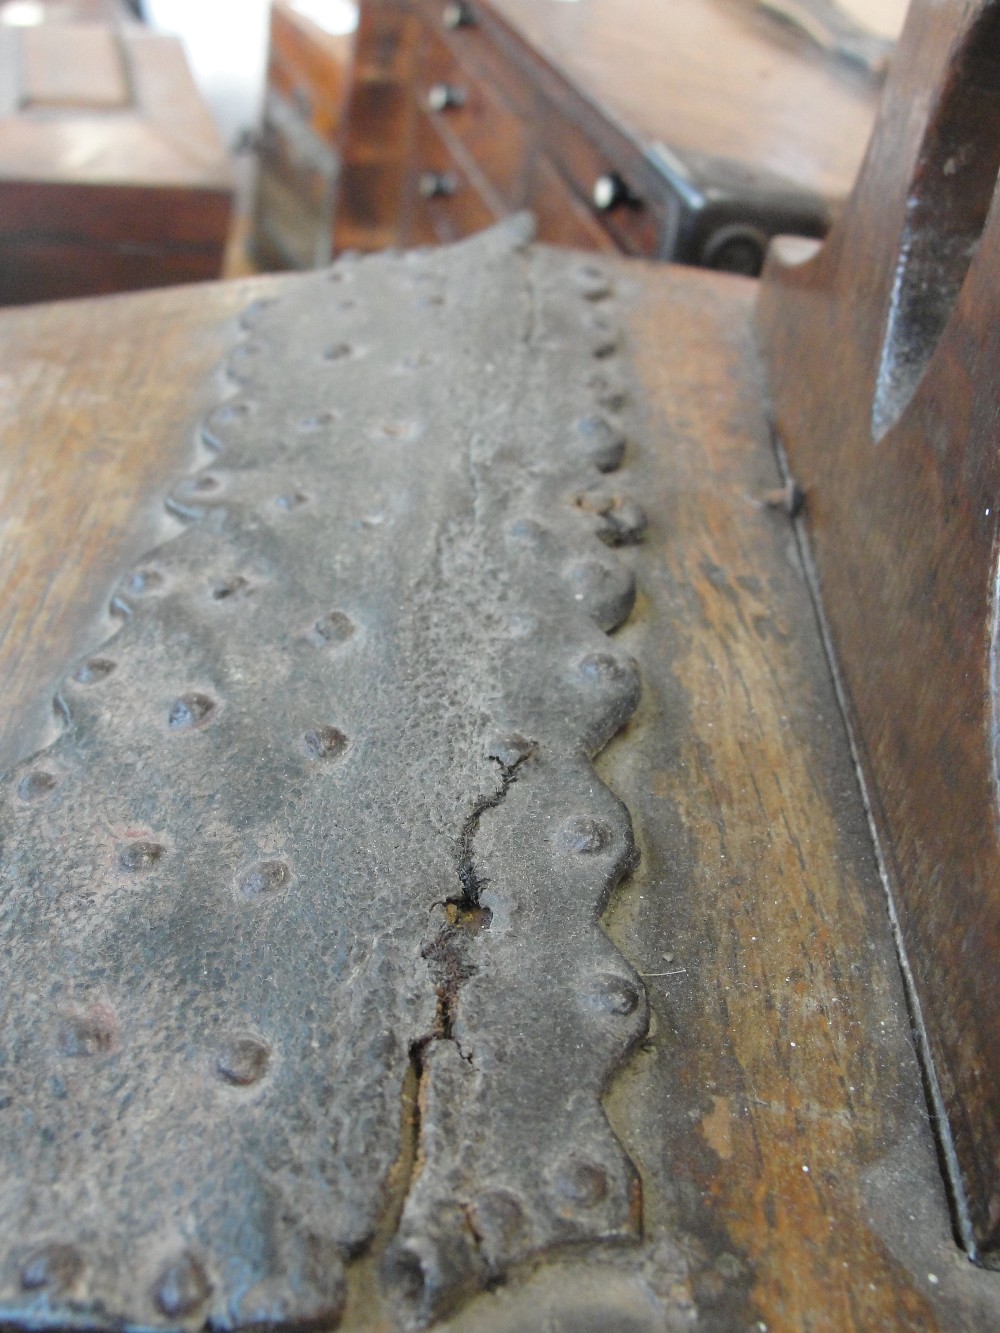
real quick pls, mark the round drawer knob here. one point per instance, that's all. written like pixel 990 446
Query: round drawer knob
pixel 609 191
pixel 437 184
pixel 736 249
pixel 441 96
pixel 457 16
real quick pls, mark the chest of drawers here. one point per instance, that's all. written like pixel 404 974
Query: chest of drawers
pixel 690 132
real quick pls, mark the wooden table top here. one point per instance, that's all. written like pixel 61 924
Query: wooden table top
pixel 713 76
pixel 86 104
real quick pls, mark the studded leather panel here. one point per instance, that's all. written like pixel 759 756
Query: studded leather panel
pixel 300 912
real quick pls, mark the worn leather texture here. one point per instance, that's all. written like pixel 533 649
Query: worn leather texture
pixel 300 911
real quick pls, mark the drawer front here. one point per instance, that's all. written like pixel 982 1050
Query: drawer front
pixel 590 158
pixel 457 209
pixel 464 105
pixel 558 122
pixel 476 48
pixel 562 219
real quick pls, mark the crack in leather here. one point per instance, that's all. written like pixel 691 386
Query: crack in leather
pixel 220 882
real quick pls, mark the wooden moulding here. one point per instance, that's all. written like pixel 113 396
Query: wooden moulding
pixel 884 357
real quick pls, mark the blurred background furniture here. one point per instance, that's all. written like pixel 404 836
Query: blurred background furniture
pixel 112 173
pixel 29 13
pixel 309 59
pixel 691 131
pixel 225 42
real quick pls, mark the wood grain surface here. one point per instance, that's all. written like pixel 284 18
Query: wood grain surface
pixel 308 70
pixel 310 66
pixel 98 405
pixel 775 1112
pixel 885 378
pixel 378 131
pixel 713 76
pixel 112 173
pixel 167 137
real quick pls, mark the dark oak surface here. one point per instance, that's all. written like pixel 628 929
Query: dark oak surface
pixel 377 137
pixel 884 373
pixel 775 1111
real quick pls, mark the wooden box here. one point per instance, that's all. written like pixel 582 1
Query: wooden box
pixel 112 173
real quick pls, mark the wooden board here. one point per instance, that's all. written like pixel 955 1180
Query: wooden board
pixel 307 73
pixel 378 131
pixel 884 357
pixel 775 1111
pixel 309 66
pixel 95 79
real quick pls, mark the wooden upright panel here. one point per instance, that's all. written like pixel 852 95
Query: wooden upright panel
pixel 377 137
pixel 307 73
pixel 885 367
